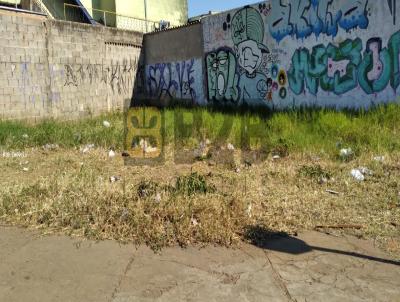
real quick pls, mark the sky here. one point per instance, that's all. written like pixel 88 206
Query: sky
pixel 198 7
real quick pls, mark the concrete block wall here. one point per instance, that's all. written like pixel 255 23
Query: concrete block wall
pixel 23 66
pixel 290 53
pixel 174 66
pixel 56 69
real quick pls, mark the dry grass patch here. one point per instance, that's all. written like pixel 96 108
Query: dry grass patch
pixel 70 192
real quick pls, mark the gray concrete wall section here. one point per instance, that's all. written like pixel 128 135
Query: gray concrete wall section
pixel 174 66
pixel 174 45
pixel 344 54
pixel 63 70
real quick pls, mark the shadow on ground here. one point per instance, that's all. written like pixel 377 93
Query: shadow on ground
pixel 284 243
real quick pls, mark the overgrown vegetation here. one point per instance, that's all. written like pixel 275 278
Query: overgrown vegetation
pixel 19 135
pixel 317 131
pixel 315 172
pixel 90 194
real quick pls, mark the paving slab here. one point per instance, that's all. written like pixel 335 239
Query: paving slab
pixel 57 268
pixel 310 267
pixel 208 274
pixel 320 267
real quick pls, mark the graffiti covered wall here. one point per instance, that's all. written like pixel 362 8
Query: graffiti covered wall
pixel 173 68
pixel 175 81
pixel 62 69
pixel 284 53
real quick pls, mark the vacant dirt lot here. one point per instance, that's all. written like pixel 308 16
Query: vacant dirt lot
pixel 209 201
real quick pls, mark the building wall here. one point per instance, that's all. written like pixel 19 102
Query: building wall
pixel 174 65
pixel 10 2
pixel 342 53
pixel 174 11
pixel 64 70
pixel 280 54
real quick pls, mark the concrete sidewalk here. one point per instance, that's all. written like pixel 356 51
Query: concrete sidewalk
pixel 311 267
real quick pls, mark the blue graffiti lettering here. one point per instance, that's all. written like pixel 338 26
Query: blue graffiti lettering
pixel 172 80
pixel 301 18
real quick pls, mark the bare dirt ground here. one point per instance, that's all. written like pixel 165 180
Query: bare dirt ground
pixel 92 195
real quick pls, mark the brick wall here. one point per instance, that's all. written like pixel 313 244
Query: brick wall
pixel 63 70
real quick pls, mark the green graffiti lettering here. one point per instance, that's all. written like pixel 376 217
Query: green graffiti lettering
pixel 306 67
pixel 222 76
pixel 342 68
pixel 347 51
pixel 375 70
pixel 394 51
pixel 296 74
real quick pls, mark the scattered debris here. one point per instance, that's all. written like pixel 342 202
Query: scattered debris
pixel 87 148
pixel 346 153
pixel 194 222
pixel 357 174
pixel 332 192
pixel 157 198
pixel 360 173
pixel 106 124
pixel 125 154
pixel 340 226
pixel 25 169
pixel 230 147
pixel 366 171
pixel 114 179
pixel 147 188
pixel 323 180
pixel 145 146
pixel 379 159
pixel 50 147
pixel 202 150
pixel 248 164
pixel 249 209
pixel 111 153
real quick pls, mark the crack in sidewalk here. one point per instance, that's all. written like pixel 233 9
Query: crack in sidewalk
pixel 121 278
pixel 279 280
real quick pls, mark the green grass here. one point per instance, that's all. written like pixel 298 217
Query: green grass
pixel 315 131
pixel 65 134
pixel 69 192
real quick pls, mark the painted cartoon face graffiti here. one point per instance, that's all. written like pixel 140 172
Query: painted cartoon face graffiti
pixel 247 36
pixel 318 52
pixel 222 76
pixel 247 32
pixel 249 56
pixel 245 78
